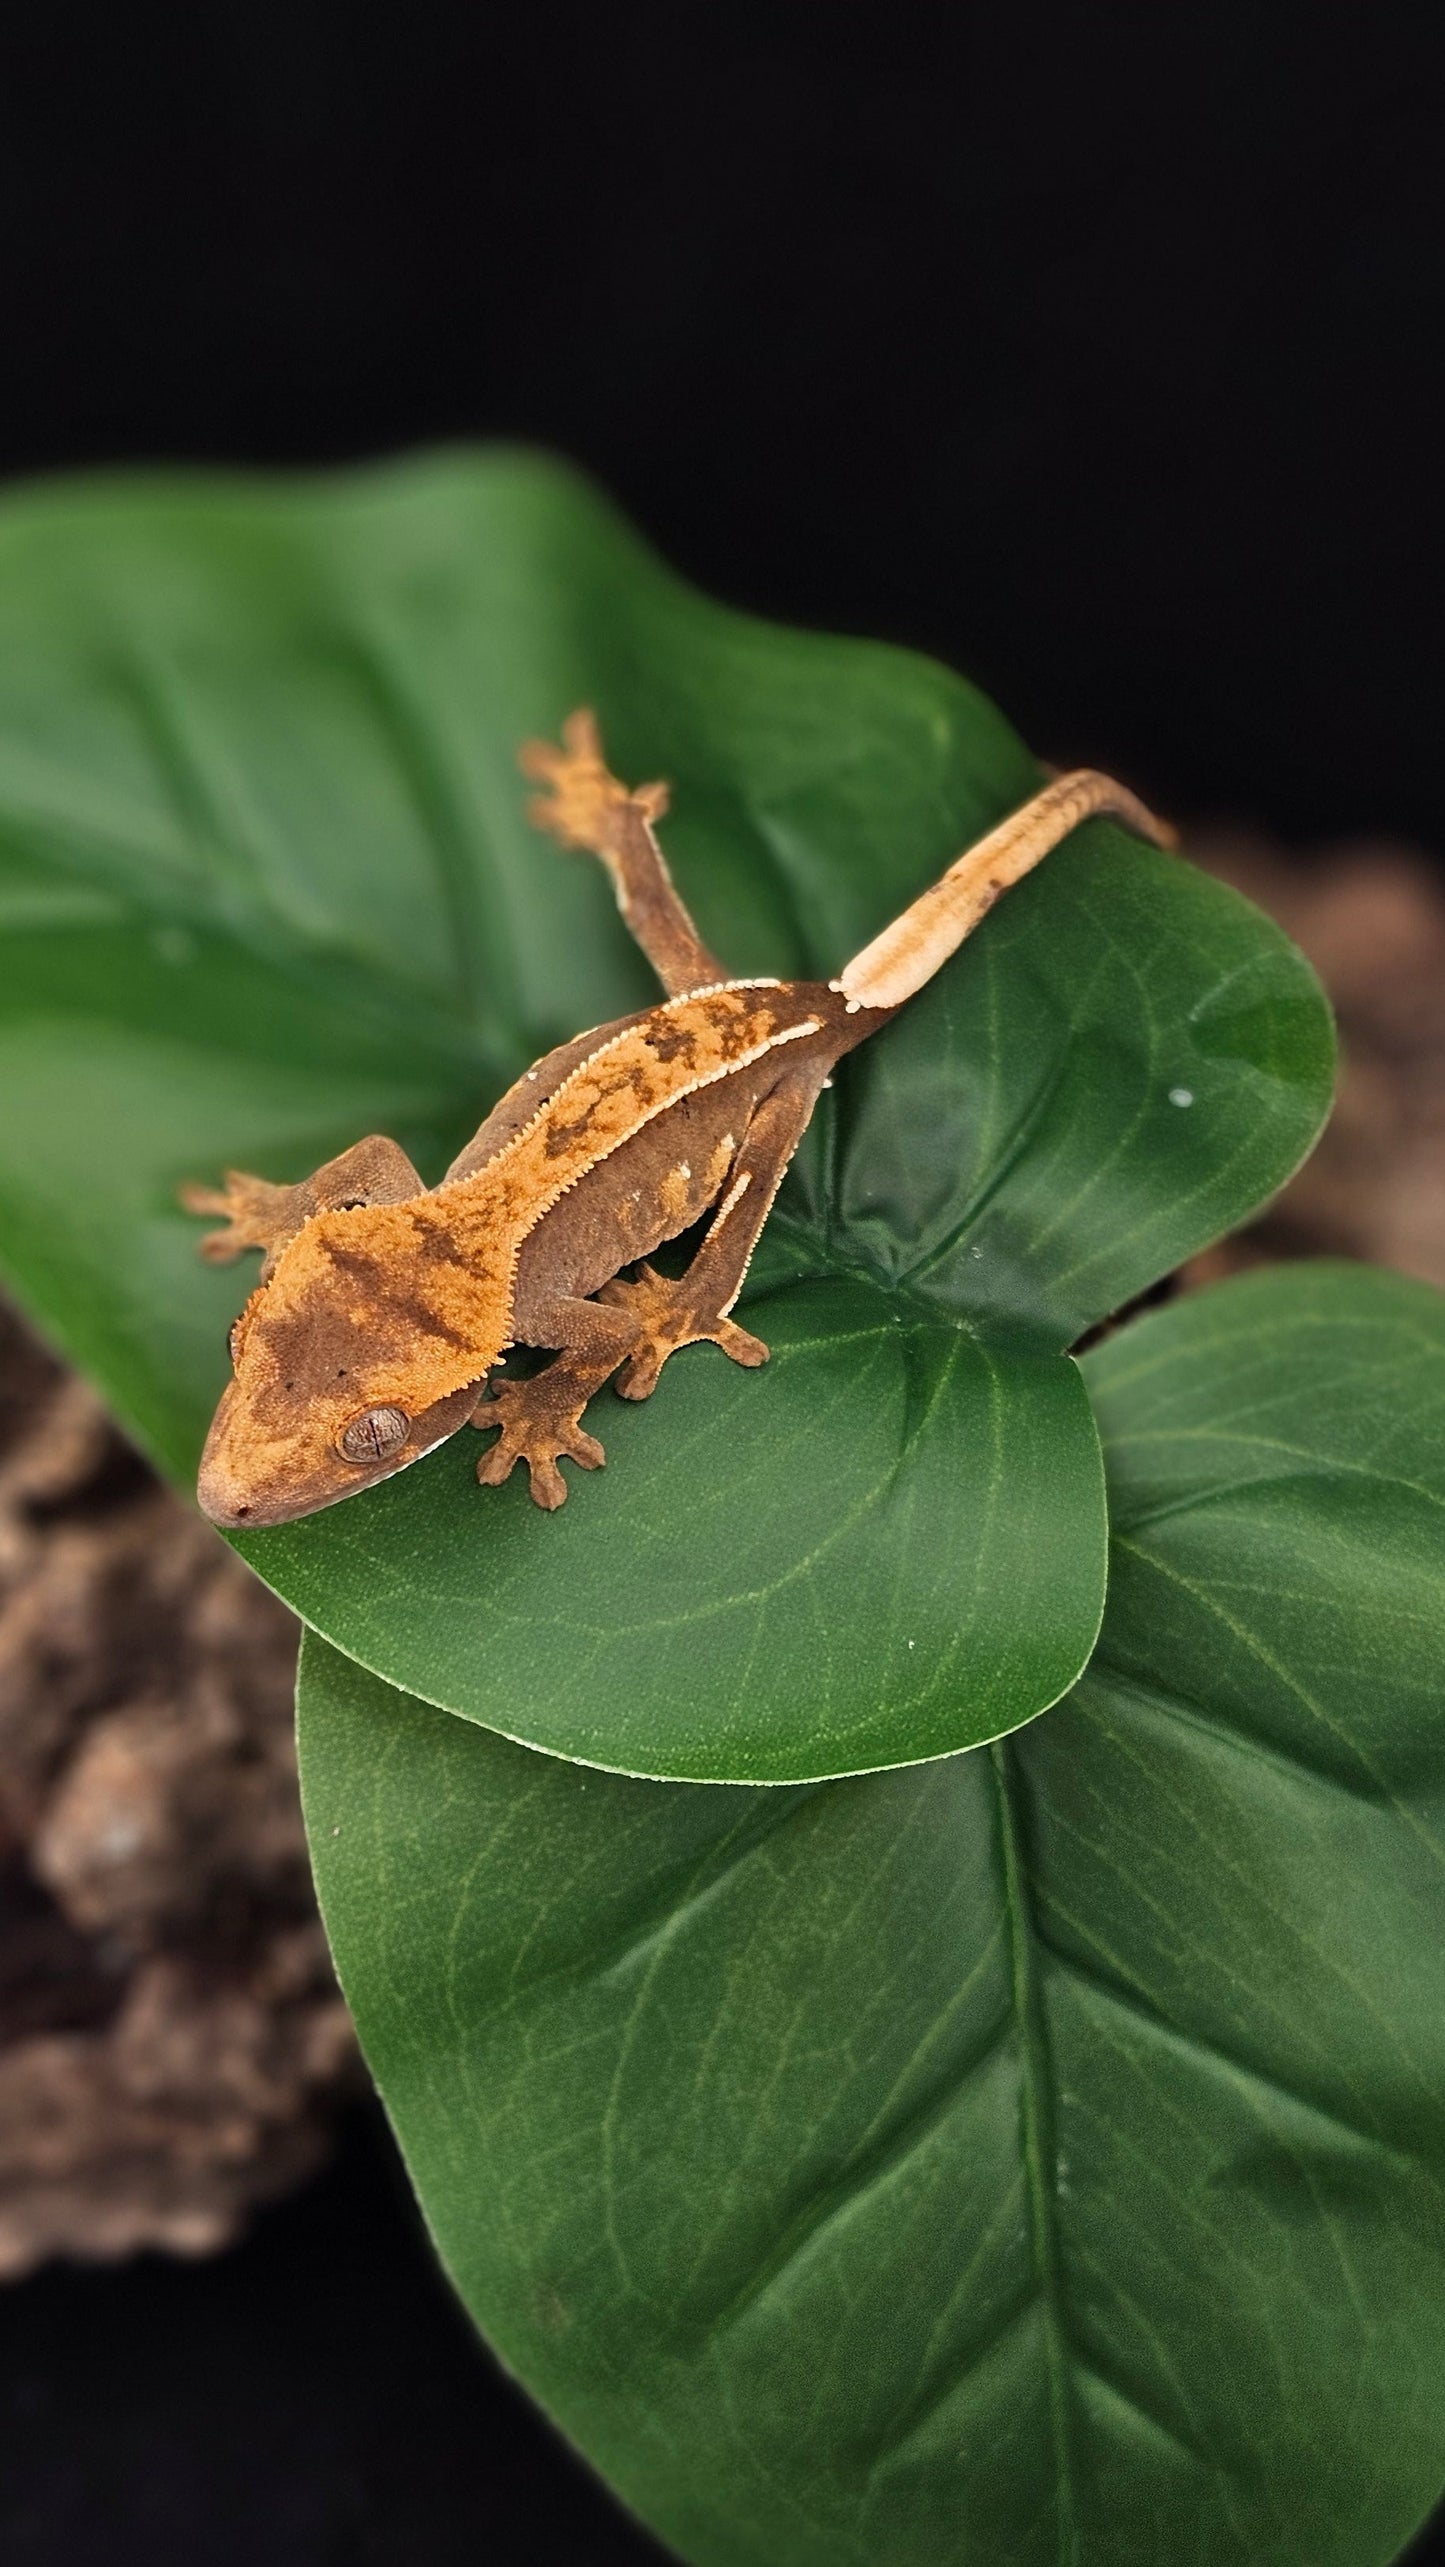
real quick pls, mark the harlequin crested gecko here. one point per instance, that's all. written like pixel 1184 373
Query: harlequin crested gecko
pixel 383 1303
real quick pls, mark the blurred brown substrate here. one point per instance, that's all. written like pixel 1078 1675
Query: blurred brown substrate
pixel 171 2041
pixel 1371 917
pixel 171 2038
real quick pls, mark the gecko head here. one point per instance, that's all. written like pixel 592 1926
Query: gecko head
pixel 365 1348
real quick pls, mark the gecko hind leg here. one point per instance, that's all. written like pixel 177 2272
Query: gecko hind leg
pixel 584 806
pixel 670 1316
pixel 693 1309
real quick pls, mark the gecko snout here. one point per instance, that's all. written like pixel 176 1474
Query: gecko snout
pixel 262 1466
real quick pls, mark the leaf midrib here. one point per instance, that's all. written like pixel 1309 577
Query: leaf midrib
pixel 1037 2136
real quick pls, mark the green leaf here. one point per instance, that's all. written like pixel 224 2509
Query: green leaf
pixel 1034 2156
pixel 266 884
pixel 902 1545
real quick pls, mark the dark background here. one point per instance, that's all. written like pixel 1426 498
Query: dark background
pixel 1094 348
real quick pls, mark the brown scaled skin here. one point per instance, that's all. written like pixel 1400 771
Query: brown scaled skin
pixel 383 1304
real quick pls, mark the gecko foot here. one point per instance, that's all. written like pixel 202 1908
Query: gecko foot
pixel 667 1318
pixel 253 1210
pixel 581 797
pixel 539 1426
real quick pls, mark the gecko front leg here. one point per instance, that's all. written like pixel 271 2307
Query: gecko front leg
pixel 260 1215
pixel 256 1214
pixel 541 1418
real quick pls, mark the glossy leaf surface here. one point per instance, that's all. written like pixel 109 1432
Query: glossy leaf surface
pixel 266 884
pixel 1034 2156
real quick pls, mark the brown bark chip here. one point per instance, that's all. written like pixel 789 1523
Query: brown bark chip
pixel 171 2038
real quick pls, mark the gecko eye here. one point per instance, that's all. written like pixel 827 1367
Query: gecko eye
pixel 377 1432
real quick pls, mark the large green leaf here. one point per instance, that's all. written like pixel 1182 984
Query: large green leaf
pixel 1036 2156
pixel 266 884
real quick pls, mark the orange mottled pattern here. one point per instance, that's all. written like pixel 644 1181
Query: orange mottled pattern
pixel 675 1050
pixel 415 1298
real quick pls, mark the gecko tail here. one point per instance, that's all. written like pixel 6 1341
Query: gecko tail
pixel 914 947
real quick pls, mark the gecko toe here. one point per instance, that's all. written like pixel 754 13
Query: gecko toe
pixel 741 1346
pixel 497 1465
pixel 639 1381
pixel 584 1449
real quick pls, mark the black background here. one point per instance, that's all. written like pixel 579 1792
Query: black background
pixel 1093 348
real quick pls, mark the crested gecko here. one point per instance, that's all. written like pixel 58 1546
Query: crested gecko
pixel 383 1303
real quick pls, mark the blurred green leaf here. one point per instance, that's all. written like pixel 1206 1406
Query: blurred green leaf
pixel 266 884
pixel 1038 2155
